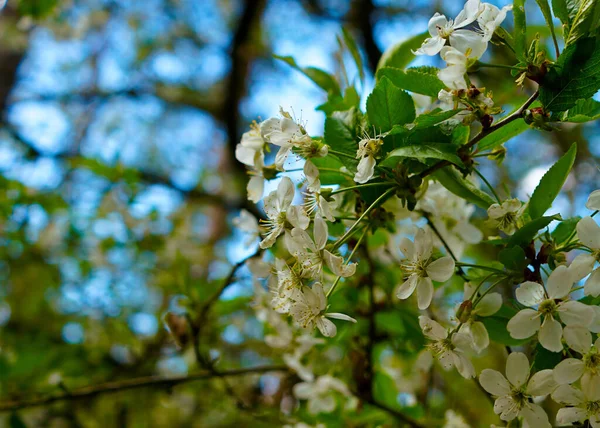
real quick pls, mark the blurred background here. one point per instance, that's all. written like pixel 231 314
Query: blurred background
pixel 118 185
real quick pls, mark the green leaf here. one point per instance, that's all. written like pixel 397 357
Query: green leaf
pixel 385 390
pixel 454 182
pixel 585 22
pixel 420 80
pixel 584 111
pixel 565 230
pixel 544 359
pixel 439 151
pixel 327 163
pixel 496 327
pixel 400 54
pixel 504 134
pixel 37 8
pixel 545 8
pixel 551 183
pixel 339 103
pixel 513 258
pixel 321 78
pixel 576 76
pixel 340 135
pixel 559 7
pixel 425 120
pixel 520 31
pixel 525 235
pixel 353 48
pixel 388 106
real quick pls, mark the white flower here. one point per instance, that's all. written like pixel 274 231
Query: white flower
pixel 368 149
pixel 505 216
pixel 321 393
pixel 580 340
pixel 450 351
pixel 486 306
pixel 454 420
pixel 311 261
pixel 514 393
pixel 593 202
pixel 585 403
pixel 248 224
pixel 315 201
pixel 442 29
pixel 453 76
pixel 491 18
pixel 421 269
pixel 309 311
pixel 288 289
pixel 281 213
pixel 551 302
pixel 250 152
pixel 588 233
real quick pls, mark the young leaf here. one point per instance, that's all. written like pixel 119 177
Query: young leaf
pixel 559 7
pixel 353 48
pixel 551 183
pixel 388 106
pixel 565 230
pixel 454 182
pixel 585 21
pixel 400 54
pixel 520 31
pixel 502 135
pixel 425 151
pixel 420 80
pixel 525 235
pixel 545 8
pixel 425 120
pixel 321 78
pixel 576 76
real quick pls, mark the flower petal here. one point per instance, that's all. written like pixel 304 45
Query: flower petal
pixel 441 269
pixel 407 247
pixel 524 324
pixel 488 305
pixel 593 202
pixel 588 232
pixel 424 293
pixel 592 284
pixel 559 282
pixel 566 394
pixel 568 371
pixel 541 383
pixel 431 46
pixel 481 339
pixel 517 369
pixel 408 287
pixel 423 244
pixel 432 329
pixel 575 313
pixel 582 266
pixel 494 382
pixel 550 335
pixel 535 416
pixel 570 415
pixel 338 316
pixel 530 293
pixel 506 407
pixel 326 327
pixel 578 338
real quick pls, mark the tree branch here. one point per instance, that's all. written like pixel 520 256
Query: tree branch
pixel 117 386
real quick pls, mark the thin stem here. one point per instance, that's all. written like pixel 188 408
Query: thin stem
pixel 346 155
pixel 482 295
pixel 363 215
pixel 510 67
pixel 487 183
pixel 123 385
pixel 480 284
pixel 337 280
pixel 361 186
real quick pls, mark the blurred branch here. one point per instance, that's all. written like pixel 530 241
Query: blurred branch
pixel 117 386
pixel 365 25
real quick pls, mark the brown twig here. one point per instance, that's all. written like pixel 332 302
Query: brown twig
pixel 124 385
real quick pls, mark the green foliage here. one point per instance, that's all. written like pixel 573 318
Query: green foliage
pixel 496 327
pixel 513 258
pixel 545 8
pixel 544 359
pixel 424 121
pixel 339 103
pixel 551 183
pixel 321 78
pixel 576 76
pixel 340 134
pixel 454 182
pixel 559 7
pixel 420 80
pixel 37 8
pixel 438 151
pixel 354 51
pixel 503 135
pixel 520 31
pixel 389 105
pixel 584 20
pixel 565 230
pixel 400 54
pixel 525 235
pixel 585 110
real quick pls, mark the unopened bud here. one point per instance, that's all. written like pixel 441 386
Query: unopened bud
pixel 464 311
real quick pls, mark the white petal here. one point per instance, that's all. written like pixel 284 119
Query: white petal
pixel 594 327
pixel 423 244
pixel 559 282
pixel 464 366
pixel 489 305
pixel 517 369
pixel 255 188
pixel 550 335
pixel 590 386
pixel 575 313
pixel 285 192
pixel 320 232
pixel 578 338
pixel 494 382
pixel 326 327
pixel 506 407
pixel 338 316
pixel 592 284
pixel 431 46
pixel 432 329
pixel 424 292
pixel 541 383
pixel 568 371
pixel 304 390
pixel 481 339
pixel 535 416
pixel 593 202
pixel 408 287
pixel 463 40
pixel 569 415
pixel 437 20
pixel 297 216
pixel 441 269
pixel 566 394
pixel 588 232
pixel 582 266
pixel 337 266
pixel 530 293
pixel 317 289
pixel 468 14
pixel 407 247
pixel 365 169
pixel 524 324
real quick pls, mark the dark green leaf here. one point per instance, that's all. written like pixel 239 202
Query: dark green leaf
pixel 525 235
pixel 353 48
pixel 545 8
pixel 338 103
pixel 37 8
pixel 389 105
pixel 520 31
pixel 559 7
pixel 551 183
pixel 425 120
pixel 421 80
pixel 400 54
pixel 565 230
pixel 544 359
pixel 454 182
pixel 496 327
pixel 576 76
pixel 321 78
pixel 16 421
pixel 439 151
pixel 585 21
pixel 584 111
pixel 340 135
pixel 503 134
pixel 513 258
